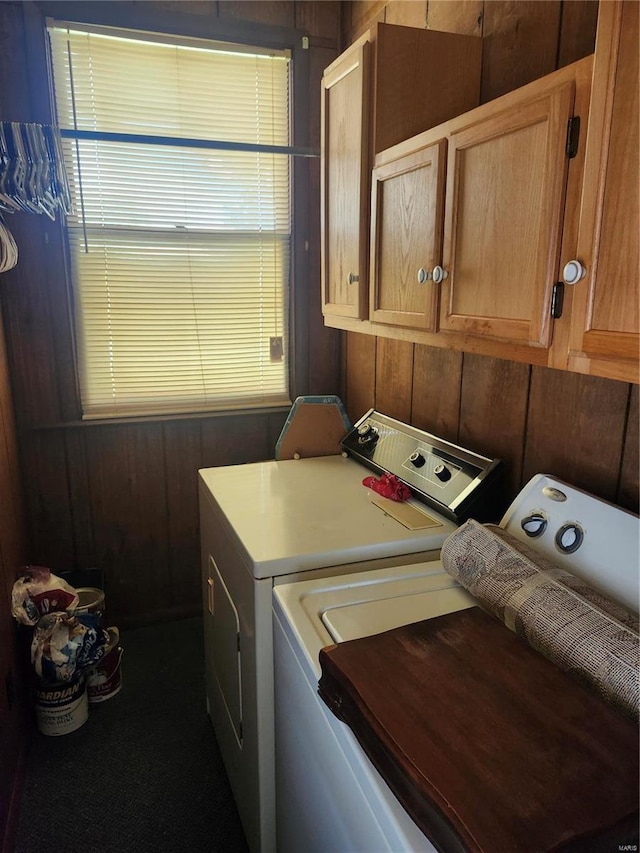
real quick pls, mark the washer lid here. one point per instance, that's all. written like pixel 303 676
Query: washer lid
pixel 352 621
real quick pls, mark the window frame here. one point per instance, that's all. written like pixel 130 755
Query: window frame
pixel 176 24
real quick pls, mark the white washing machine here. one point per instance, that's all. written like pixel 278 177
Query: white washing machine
pixel 310 518
pixel 329 796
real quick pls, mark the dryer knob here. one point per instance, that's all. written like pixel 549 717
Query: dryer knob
pixel 417 459
pixel 442 473
pixel 367 435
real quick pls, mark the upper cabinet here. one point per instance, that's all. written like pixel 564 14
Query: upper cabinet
pixel 511 230
pixel 467 219
pixel 344 181
pixel 506 180
pixel 605 320
pixel 391 84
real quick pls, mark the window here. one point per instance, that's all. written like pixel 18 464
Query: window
pixel 178 157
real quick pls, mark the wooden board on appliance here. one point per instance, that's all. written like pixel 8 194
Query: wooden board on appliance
pixel 458 704
pixel 315 427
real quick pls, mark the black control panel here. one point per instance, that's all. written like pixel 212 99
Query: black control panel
pixel 457 482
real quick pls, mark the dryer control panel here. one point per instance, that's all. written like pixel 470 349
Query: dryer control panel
pixel 457 482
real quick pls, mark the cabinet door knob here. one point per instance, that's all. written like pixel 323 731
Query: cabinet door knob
pixel 352 278
pixel 439 274
pixel 573 271
pixel 424 275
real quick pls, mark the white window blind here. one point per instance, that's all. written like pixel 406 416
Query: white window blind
pixel 180 254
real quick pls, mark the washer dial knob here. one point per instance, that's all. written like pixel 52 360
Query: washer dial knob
pixel 569 537
pixel 534 524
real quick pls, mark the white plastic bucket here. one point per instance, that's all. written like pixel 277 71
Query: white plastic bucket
pixel 105 679
pixel 91 601
pixel 61 708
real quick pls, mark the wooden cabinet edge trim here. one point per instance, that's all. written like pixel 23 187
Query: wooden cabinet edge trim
pixel 356 56
pixel 365 38
pixel 606 369
pixel 444 340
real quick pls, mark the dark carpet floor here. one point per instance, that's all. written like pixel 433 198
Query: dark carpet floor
pixel 144 772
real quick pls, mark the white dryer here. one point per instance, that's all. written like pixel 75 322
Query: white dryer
pixel 329 797
pixel 307 518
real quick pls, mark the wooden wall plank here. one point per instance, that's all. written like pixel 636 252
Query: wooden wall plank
pixel 15 103
pixel 575 429
pixel 278 13
pixel 12 521
pixel 520 44
pixel 47 499
pixel 493 411
pixel 234 440
pixel 199 8
pixel 32 353
pixel 437 382
pixel 407 13
pixel 322 20
pixel 79 477
pixel 129 511
pixel 463 17
pixel 183 532
pixel 361 16
pixel 360 378
pixel 630 466
pixel 13 552
pixel 394 372
pixel 578 30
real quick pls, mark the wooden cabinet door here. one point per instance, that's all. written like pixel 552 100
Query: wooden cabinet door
pixel 506 182
pixel 345 183
pixel 407 206
pixel 606 302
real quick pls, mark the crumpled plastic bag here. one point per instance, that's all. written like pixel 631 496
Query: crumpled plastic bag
pixel 63 645
pixel 37 592
pixel 389 486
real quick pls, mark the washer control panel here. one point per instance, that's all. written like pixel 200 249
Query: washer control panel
pixel 442 474
pixel 583 534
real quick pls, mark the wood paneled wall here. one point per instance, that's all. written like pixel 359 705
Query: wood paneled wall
pixel 122 496
pixel 579 428
pixel 13 720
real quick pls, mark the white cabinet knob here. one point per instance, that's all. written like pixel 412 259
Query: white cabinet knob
pixel 423 275
pixel 352 278
pixel 573 272
pixel 439 274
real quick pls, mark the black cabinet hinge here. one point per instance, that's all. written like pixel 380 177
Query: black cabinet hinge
pixel 573 136
pixel 557 298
